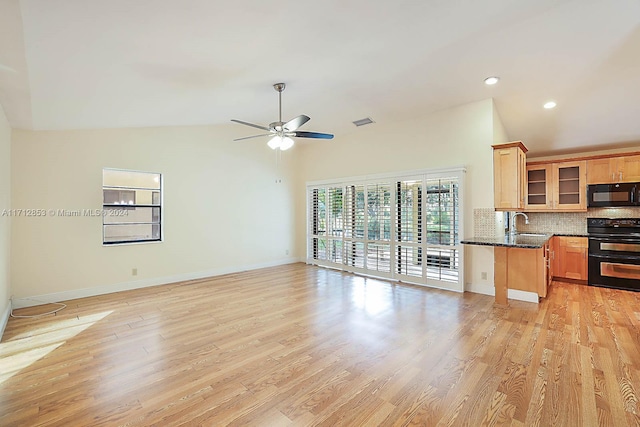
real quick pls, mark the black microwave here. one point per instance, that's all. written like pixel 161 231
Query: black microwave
pixel 613 195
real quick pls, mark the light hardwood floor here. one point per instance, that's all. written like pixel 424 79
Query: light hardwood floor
pixel 300 345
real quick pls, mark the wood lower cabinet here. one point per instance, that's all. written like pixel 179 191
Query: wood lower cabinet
pixel 522 269
pixel 554 259
pixel 569 258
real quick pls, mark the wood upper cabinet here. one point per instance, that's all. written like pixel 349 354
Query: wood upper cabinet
pixel 629 167
pixel 570 257
pixel 509 176
pixel 611 170
pixel 557 186
pixel 539 188
pixel 601 171
pixel 569 186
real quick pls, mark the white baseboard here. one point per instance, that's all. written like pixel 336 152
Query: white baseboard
pixel 484 289
pixel 4 318
pixel 127 286
pixel 523 296
pixel 488 289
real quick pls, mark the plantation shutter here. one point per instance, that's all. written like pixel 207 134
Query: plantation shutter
pixel 405 228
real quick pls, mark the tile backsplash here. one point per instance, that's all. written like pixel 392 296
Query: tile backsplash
pixel 488 223
pixel 554 222
pixel 484 222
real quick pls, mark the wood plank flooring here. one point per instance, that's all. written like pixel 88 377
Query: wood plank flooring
pixel 299 345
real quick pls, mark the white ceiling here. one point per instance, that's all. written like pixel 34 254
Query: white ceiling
pixel 69 64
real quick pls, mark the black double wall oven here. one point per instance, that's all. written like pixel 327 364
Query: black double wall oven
pixel 614 252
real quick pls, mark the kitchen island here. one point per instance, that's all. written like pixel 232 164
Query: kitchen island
pixel 521 262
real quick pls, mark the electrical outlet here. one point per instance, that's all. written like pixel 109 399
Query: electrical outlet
pixel 134 271
pixel 286 252
pixel 483 275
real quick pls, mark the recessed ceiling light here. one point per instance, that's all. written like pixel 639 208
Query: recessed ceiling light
pixel 491 80
pixel 549 105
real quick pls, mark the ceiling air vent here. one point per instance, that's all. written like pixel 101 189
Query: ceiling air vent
pixel 363 122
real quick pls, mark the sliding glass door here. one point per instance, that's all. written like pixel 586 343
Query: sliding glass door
pixel 400 227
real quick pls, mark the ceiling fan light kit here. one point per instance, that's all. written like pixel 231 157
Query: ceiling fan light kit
pixel 282 133
pixel 283 143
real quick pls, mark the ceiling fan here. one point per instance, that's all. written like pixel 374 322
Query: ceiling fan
pixel 282 132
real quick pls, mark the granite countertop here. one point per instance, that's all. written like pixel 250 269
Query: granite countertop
pixel 524 240
pixel 518 241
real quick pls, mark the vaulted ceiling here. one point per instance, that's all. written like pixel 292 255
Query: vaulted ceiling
pixel 69 64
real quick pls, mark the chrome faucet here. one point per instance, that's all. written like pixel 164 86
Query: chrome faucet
pixel 512 223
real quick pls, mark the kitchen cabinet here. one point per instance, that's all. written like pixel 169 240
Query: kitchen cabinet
pixel 558 186
pixel 509 176
pixel 612 170
pixel 570 257
pixel 554 259
pixel 539 188
pixel 523 269
pixel 629 167
pixel 548 252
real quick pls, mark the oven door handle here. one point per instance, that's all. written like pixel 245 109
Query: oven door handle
pixel 620 271
pixel 633 258
pixel 620 238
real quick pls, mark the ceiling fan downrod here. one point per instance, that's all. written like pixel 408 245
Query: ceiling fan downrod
pixel 279 87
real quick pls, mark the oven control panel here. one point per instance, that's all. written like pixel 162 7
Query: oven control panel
pixel 613 222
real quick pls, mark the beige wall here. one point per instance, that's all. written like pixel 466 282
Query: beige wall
pixel 5 221
pixel 460 136
pixel 499 132
pixel 223 209
pixel 214 189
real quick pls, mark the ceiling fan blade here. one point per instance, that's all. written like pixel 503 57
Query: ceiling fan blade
pixel 303 134
pixel 253 136
pixel 296 122
pixel 251 124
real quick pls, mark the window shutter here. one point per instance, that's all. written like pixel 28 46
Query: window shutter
pixel 409 228
pixel 379 205
pixel 406 228
pixel 354 226
pixel 443 222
